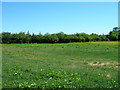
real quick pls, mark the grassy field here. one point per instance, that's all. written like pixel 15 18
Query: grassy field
pixel 71 65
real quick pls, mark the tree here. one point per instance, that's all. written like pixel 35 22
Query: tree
pixel 22 37
pixel 81 39
pixel 104 38
pixel 6 37
pixel 86 36
pixel 36 39
pixel 95 37
pixel 62 37
pixel 27 38
pixel 51 38
pixel 116 28
pixel 113 35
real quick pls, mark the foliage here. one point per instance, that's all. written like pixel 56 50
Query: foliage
pixel 21 37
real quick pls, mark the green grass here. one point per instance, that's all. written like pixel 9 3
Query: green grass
pixel 71 65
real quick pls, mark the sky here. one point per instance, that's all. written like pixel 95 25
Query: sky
pixel 55 17
pixel 60 0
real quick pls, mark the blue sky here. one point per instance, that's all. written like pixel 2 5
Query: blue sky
pixel 54 17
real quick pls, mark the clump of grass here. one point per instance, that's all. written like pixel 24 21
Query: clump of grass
pixel 95 62
pixel 85 62
pixel 99 62
pixel 118 65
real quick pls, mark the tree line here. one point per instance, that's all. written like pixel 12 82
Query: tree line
pixel 23 37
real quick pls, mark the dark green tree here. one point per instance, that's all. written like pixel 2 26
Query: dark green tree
pixel 6 37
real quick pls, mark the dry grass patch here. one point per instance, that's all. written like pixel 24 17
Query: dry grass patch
pixel 107 42
pixel 103 64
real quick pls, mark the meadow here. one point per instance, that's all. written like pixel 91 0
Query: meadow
pixel 65 65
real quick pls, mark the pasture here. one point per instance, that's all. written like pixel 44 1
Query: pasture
pixel 65 65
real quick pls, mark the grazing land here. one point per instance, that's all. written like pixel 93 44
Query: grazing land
pixel 66 65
